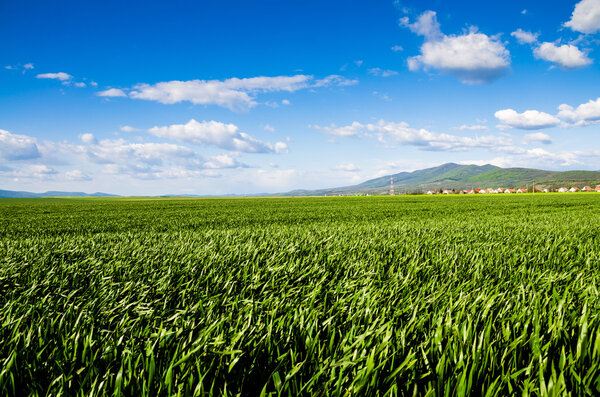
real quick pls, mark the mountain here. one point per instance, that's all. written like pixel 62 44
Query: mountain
pixel 457 176
pixel 20 194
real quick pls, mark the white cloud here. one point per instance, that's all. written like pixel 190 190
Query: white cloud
pixel 475 127
pixel 524 12
pixel 397 48
pixel 537 137
pixel 128 128
pixel 347 167
pixel 402 133
pixel 285 102
pixel 28 66
pixel 79 84
pixel 426 25
pixel 583 114
pixel 88 138
pixel 566 56
pixel 40 171
pixel 528 120
pixel 234 94
pixel 382 73
pixel 77 175
pixel 225 136
pixel 358 63
pixel 112 92
pixel 524 37
pixel 541 158
pixel 222 161
pixel 56 76
pixel 586 17
pixel 473 57
pixel 269 128
pixel 334 80
pixel 17 147
pixel 93 84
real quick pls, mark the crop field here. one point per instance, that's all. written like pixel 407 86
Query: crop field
pixel 414 295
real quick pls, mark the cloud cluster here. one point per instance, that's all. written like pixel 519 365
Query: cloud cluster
pixel 567 116
pixel 382 73
pixel 225 136
pixel 586 17
pixel 566 56
pixel 17 147
pixel 525 37
pixel 473 57
pixel 402 133
pixel 62 76
pixel 583 114
pixel 528 120
pixel 234 94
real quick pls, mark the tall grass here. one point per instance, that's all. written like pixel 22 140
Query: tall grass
pixel 332 296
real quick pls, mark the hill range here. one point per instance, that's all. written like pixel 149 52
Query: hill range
pixel 457 176
pixel 22 194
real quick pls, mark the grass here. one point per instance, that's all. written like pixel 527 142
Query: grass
pixel 461 295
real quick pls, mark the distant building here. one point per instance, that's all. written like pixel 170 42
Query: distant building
pixel 598 188
pixel 563 190
pixel 446 191
pixel 521 191
pixel 430 192
pixel 587 189
pixel 510 191
pixel 574 189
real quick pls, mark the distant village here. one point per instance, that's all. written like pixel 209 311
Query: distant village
pixel 509 191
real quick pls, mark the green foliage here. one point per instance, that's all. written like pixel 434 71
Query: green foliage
pixel 461 295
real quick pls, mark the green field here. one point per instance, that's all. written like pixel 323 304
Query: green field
pixel 460 295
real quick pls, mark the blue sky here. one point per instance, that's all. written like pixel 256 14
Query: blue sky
pixel 218 97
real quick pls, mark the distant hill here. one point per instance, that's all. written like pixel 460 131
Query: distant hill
pixel 21 194
pixel 457 176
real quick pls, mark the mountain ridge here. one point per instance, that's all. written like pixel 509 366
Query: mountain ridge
pixel 459 176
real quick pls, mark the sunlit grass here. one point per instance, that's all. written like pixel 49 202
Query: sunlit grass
pixel 475 295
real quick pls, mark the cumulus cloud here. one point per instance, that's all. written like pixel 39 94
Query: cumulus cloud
pixel 77 175
pixel 56 76
pixel 88 138
pixel 566 56
pixel 235 93
pixel 382 73
pixel 397 48
pixel 28 66
pixel 524 37
pixel 347 167
pixel 40 170
pixel 128 128
pixel 112 92
pixel 586 17
pixel 17 147
pixel 225 136
pixel 537 137
pixel 402 133
pixel 583 114
pixel 528 120
pixel 473 57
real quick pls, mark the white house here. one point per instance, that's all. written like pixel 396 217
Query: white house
pixel 587 189
pixel 430 192
pixel 598 188
pixel 446 191
pixel 573 189
pixel 521 191
pixel 563 190
pixel 510 191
